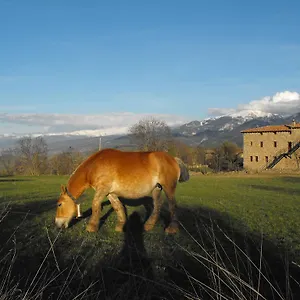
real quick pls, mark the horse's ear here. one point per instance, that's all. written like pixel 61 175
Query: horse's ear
pixel 63 189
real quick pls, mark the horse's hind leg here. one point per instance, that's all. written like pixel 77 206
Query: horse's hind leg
pixel 93 224
pixel 119 209
pixel 170 193
pixel 157 202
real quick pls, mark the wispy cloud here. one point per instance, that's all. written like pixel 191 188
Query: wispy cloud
pixel 82 124
pixel 17 107
pixel 284 103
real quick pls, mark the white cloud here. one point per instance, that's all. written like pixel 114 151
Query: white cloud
pixel 220 111
pixel 283 103
pixel 113 123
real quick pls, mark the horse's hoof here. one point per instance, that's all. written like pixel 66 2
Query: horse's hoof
pixel 91 228
pixel 148 227
pixel 119 227
pixel 172 228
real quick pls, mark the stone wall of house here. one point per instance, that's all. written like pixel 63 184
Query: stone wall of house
pixel 263 147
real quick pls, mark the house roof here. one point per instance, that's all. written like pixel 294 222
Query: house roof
pixel 273 128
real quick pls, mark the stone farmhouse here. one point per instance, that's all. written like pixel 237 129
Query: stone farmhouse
pixel 272 147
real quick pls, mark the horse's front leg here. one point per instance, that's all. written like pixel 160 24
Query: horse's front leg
pixel 119 209
pixel 93 224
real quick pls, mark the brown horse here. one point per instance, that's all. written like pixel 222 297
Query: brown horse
pixel 132 175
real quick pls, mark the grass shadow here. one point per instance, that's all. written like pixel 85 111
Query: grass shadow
pixel 275 188
pixel 210 258
pixel 30 209
pixel 17 221
pixel 13 179
pixel 291 179
pixel 215 258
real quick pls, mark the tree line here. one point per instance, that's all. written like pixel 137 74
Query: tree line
pixel 152 135
pixel 30 156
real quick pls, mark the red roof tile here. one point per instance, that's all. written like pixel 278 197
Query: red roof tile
pixel 272 128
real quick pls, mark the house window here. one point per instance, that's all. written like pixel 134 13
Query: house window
pixel 267 159
pixel 256 158
pixel 251 143
pixel 251 158
pixel 261 133
pixel 275 144
pixel 290 145
pixel 261 144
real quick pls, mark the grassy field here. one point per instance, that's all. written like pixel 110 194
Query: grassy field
pixel 239 239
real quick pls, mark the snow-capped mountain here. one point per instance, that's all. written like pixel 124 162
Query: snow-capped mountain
pixel 92 132
pixel 224 123
pixel 209 132
pixel 251 114
pixel 212 131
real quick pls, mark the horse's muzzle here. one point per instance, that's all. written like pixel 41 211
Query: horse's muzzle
pixel 62 222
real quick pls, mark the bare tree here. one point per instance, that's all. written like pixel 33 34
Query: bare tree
pixel 151 134
pixel 7 160
pixel 32 154
pixel 65 163
pixel 181 150
pixel 226 158
pixel 199 155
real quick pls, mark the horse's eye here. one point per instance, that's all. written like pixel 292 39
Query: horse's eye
pixel 59 204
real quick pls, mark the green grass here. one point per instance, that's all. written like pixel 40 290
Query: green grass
pixel 238 239
pixel 262 204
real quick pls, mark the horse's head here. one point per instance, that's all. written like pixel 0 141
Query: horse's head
pixel 66 209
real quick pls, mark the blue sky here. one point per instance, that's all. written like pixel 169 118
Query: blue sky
pixel 158 57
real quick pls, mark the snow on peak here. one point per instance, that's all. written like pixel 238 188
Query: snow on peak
pixel 95 132
pixel 250 114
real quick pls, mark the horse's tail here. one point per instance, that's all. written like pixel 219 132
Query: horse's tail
pixel 184 171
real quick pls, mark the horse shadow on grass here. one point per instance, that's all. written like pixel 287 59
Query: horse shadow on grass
pixel 212 255
pixel 129 274
pixel 208 259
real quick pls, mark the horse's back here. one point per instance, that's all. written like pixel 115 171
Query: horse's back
pixel 130 167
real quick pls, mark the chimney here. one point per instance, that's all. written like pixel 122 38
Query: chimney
pixel 294 123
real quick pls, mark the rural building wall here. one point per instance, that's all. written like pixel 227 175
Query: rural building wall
pixel 260 149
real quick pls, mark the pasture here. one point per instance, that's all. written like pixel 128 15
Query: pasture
pixel 239 239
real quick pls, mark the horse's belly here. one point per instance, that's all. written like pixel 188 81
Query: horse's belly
pixel 133 194
pixel 133 191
